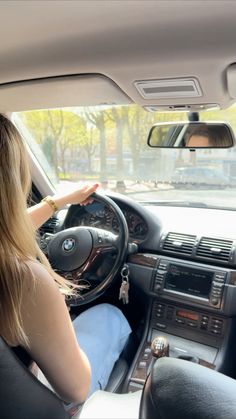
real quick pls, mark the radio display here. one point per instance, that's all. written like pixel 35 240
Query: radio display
pixel 188 280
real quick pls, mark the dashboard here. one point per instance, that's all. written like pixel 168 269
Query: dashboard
pixel 196 234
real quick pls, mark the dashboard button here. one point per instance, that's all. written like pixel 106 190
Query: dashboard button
pixel 215 301
pixel 180 321
pixel 216 332
pixel 161 325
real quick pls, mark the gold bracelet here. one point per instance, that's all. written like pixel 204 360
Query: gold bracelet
pixel 51 203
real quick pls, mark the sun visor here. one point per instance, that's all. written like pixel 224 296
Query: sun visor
pixel 231 80
pixel 66 91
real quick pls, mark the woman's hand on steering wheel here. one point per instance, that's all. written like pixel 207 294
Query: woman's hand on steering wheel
pixel 81 195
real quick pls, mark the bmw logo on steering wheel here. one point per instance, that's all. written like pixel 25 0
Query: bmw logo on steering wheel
pixel 68 245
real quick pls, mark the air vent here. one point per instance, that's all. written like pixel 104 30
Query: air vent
pixel 49 226
pixel 179 243
pixel 169 88
pixel 214 248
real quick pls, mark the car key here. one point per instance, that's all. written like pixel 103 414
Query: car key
pixel 124 289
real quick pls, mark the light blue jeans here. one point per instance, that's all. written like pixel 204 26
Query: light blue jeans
pixel 102 332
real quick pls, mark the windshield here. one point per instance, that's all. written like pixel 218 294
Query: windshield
pixel 109 145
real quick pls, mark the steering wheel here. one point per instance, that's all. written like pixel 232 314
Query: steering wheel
pixel 75 251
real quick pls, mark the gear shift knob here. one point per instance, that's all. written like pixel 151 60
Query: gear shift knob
pixel 160 347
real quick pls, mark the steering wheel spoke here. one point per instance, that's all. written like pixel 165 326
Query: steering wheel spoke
pixel 103 240
pixel 44 242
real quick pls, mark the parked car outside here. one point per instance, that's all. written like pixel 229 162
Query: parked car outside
pixel 199 177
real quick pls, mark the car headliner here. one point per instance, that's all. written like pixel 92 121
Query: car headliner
pixel 116 43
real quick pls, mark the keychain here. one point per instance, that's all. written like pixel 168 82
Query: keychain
pixel 124 288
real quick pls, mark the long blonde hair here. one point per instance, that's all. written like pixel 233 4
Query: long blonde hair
pixel 18 243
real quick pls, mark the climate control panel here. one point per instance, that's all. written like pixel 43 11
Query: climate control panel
pixel 164 314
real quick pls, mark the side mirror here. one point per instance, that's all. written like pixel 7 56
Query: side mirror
pixel 191 135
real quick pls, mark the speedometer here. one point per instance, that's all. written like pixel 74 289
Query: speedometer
pixel 101 218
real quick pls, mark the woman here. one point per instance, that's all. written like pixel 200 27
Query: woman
pixel 33 313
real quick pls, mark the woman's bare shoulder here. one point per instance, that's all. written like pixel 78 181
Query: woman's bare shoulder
pixel 39 272
pixel 39 281
pixel 35 266
pixel 41 294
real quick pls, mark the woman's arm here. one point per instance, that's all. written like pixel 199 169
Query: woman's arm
pixel 52 341
pixel 41 212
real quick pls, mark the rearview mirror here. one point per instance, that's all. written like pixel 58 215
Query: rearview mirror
pixel 191 135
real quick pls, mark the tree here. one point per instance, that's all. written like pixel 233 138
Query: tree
pixel 97 119
pixel 89 144
pixel 37 124
pixel 132 119
pixel 57 131
pixel 55 125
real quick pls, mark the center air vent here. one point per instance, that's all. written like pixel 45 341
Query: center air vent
pixel 214 248
pixel 179 243
pixel 49 226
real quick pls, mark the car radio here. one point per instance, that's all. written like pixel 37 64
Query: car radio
pixel 204 285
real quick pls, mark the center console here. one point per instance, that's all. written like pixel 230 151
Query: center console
pixel 188 309
pixel 192 335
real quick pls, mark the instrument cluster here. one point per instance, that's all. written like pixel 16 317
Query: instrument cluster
pixel 99 215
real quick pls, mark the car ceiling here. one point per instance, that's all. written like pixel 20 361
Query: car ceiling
pixel 114 44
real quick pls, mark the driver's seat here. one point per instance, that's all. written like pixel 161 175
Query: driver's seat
pixel 22 396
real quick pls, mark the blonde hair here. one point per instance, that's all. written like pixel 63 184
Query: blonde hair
pixel 18 243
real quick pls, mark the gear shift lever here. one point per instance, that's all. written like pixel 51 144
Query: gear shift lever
pixel 160 347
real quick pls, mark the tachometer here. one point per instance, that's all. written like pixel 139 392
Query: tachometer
pixel 140 229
